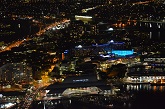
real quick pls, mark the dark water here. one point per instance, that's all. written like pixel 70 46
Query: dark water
pixel 149 100
pixel 147 97
pixel 144 97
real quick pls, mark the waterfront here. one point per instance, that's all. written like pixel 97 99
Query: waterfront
pixel 145 97
pixel 148 97
pixel 54 53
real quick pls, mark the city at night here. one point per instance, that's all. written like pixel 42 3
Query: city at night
pixel 82 54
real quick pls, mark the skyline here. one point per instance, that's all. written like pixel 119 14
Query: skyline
pixel 94 53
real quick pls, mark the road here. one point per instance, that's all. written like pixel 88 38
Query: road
pixel 39 87
pixel 15 44
pixel 29 97
pixel 19 42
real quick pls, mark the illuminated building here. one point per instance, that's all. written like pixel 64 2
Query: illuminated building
pixel 74 82
pixel 117 48
pixel 151 66
pixel 85 19
pixel 89 27
pixel 86 51
pixel 77 29
pixel 15 73
pixel 155 65
pixel 63 56
pixel 122 52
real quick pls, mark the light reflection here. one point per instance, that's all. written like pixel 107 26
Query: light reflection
pixel 144 87
pixel 161 88
pixel 150 25
pixel 159 34
pixel 158 25
pixel 150 35
pixel 140 24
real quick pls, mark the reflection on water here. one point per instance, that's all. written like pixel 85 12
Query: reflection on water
pixel 147 96
pixel 144 87
pixel 144 96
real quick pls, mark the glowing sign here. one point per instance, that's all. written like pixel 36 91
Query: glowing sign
pixel 81 80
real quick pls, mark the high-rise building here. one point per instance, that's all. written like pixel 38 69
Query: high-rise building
pixel 15 73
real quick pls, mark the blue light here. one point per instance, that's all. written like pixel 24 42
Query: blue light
pixel 66 51
pixel 123 52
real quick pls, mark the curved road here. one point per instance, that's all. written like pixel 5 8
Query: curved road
pixel 18 43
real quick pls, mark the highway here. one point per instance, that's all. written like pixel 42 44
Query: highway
pixel 15 44
pixel 52 26
pixel 19 42
pixel 39 87
pixel 55 24
pixel 31 94
pixel 29 97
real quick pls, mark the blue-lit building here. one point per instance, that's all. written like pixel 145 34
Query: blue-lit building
pixel 123 52
pixel 116 48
